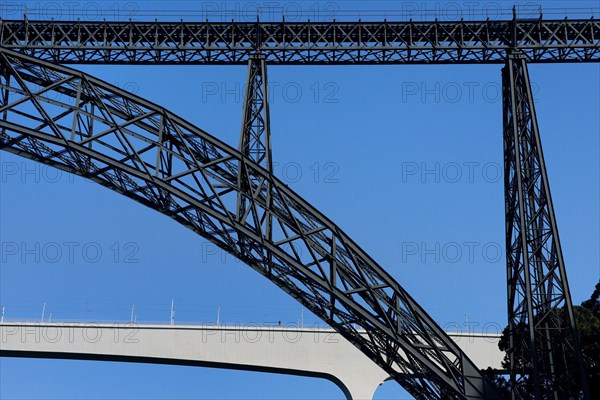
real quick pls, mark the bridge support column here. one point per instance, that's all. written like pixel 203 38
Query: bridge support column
pixel 361 389
pixel 255 144
pixel 545 354
pixel 255 138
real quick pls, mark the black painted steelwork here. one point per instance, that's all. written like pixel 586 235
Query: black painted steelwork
pixel 255 144
pixel 72 121
pixel 477 42
pixel 545 354
pixel 263 223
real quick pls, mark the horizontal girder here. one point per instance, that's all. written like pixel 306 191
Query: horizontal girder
pixel 70 120
pixel 461 42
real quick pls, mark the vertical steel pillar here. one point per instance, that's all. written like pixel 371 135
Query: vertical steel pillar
pixel 255 140
pixel 544 350
pixel 255 144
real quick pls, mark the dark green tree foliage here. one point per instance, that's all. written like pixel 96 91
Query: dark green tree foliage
pixel 587 317
pixel 593 304
pixel 588 324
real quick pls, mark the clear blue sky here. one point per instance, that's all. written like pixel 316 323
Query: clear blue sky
pixel 362 140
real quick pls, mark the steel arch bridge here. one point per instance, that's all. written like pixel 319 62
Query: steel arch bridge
pixel 70 120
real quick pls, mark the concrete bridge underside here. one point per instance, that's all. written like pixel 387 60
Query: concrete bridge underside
pixel 320 353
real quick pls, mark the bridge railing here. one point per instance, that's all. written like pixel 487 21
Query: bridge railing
pixel 290 12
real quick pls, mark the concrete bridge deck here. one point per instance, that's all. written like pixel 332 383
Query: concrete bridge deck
pixel 321 353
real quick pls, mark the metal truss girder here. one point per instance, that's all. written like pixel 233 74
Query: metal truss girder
pixel 545 335
pixel 480 42
pixel 70 120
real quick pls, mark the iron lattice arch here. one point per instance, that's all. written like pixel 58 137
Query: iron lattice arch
pixel 72 121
